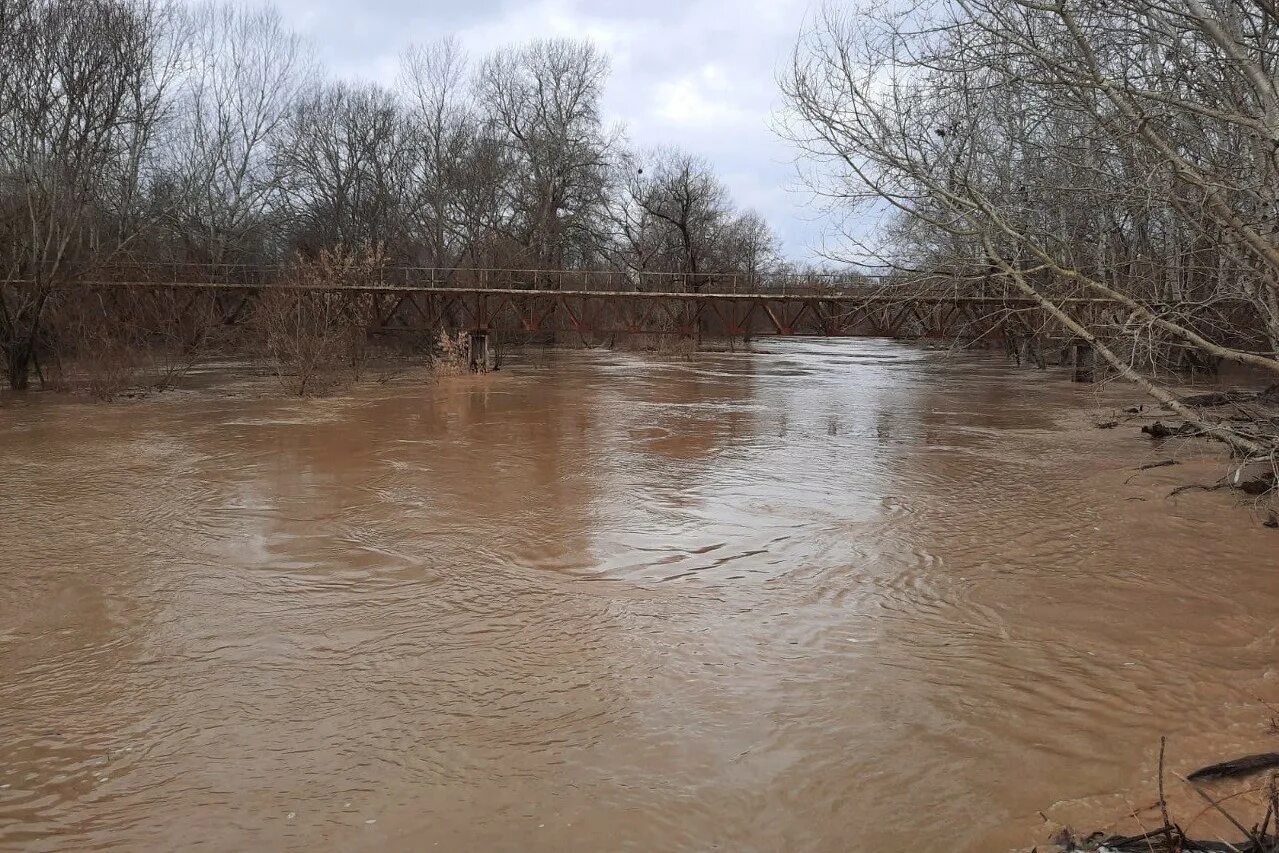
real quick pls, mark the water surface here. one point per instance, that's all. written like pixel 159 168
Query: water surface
pixel 824 596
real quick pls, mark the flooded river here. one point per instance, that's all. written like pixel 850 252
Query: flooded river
pixel 825 596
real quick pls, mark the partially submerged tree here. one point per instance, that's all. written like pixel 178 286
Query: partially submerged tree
pixel 82 95
pixel 171 142
pixel 1122 151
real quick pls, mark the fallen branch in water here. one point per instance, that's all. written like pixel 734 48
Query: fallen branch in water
pixel 1172 838
pixel 1163 463
pixel 1251 416
pixel 1197 487
pixel 1161 430
pixel 1236 767
pixel 1255 841
pixel 1260 485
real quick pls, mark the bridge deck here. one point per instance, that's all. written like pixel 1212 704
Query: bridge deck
pixel 884 295
pixel 409 299
pixel 427 307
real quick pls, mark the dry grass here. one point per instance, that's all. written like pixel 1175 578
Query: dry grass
pixel 320 338
pixel 452 355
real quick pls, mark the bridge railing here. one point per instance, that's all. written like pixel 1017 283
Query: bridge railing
pixel 577 280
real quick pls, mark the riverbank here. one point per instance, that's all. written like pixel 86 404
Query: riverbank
pixel 1231 806
pixel 1251 412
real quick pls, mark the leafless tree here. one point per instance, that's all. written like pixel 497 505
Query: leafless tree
pixel 544 98
pixel 748 245
pixel 1123 151
pixel 340 160
pixel 245 72
pixel 445 153
pixel 673 214
pixel 682 192
pixel 81 98
pixel 318 326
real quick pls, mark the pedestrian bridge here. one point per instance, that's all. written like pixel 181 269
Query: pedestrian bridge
pixel 595 303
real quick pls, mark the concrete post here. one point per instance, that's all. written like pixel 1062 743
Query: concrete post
pixel 1085 363
pixel 480 357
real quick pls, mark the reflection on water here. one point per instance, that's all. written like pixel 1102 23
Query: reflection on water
pixel 823 596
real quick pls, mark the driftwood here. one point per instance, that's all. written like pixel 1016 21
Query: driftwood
pixel 1222 398
pixel 1166 839
pixel 1245 766
pixel 1262 484
pixel 1159 429
pixel 1258 485
pixel 1197 487
pixel 1171 838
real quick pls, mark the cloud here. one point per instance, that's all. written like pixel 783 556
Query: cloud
pixel 549 19
pixel 701 99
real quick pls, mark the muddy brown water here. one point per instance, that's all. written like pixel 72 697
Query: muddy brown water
pixel 825 596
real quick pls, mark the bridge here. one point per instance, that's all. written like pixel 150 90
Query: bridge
pixel 600 303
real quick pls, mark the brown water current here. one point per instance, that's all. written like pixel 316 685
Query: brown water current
pixel 823 596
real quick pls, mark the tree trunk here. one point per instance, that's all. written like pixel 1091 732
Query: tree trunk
pixel 18 362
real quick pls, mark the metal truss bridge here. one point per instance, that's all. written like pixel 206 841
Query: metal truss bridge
pixel 603 303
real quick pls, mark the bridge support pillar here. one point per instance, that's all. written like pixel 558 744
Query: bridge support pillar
pixel 1084 361
pixel 480 356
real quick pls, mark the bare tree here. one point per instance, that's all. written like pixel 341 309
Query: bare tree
pixel 81 97
pixel 319 326
pixel 245 73
pixel 1123 151
pixel 544 98
pixel 673 214
pixel 682 192
pixel 340 161
pixel 747 245
pixel 446 155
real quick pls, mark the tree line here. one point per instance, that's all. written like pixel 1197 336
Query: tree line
pixel 157 132
pixel 1126 150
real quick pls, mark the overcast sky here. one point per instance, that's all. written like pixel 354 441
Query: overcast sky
pixel 700 74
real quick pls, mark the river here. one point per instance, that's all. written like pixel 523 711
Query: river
pixel 823 596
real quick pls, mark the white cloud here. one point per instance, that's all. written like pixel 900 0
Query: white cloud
pixel 548 19
pixel 701 99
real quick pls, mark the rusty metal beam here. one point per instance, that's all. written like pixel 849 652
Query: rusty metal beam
pixel 615 312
